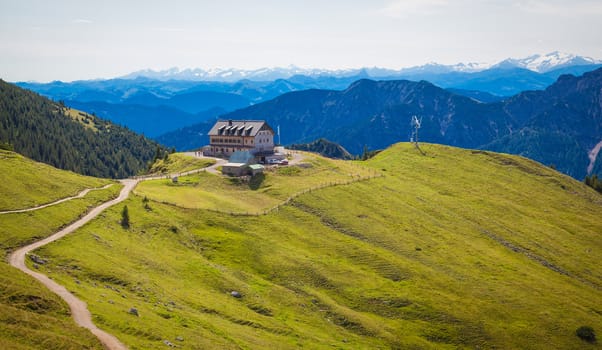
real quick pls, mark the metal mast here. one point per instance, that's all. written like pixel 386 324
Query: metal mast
pixel 416 123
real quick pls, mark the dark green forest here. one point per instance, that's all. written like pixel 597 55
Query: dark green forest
pixel 40 129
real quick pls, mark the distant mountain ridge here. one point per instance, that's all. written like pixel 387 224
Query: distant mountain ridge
pixel 148 120
pixel 378 113
pixel 146 106
pixel 549 62
pixel 564 125
pixel 178 112
pixel 557 126
pixel 540 63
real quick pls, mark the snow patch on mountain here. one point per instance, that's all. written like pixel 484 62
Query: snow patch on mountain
pixel 548 62
pixel 538 63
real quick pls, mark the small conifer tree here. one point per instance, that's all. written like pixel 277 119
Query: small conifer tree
pixel 125 217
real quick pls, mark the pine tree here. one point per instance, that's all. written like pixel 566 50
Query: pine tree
pixel 125 217
pixel 365 155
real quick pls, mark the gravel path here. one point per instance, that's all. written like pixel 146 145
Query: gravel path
pixel 79 195
pixel 212 169
pixel 79 310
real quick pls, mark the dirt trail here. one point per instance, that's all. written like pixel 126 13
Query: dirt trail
pixel 213 168
pixel 79 195
pixel 297 157
pixel 79 310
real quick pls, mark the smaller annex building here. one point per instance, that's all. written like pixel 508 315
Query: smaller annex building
pixel 240 163
pixel 229 136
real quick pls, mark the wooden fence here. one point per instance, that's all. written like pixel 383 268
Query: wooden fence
pixel 354 178
pixel 297 194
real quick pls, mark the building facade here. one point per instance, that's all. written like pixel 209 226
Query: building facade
pixel 229 136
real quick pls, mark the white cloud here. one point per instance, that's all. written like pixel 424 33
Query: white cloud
pixel 405 8
pixel 561 8
pixel 82 21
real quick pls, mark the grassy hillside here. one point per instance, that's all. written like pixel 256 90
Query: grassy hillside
pixel 19 229
pixel 26 183
pixel 455 249
pixel 178 162
pixel 256 195
pixel 31 317
pixel 86 120
pixel 324 147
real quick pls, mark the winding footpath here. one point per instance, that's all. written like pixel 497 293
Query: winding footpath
pixel 79 310
pixel 79 195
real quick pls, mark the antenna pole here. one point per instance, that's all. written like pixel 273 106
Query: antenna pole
pixel 416 124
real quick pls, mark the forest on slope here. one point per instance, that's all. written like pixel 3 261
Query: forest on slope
pixel 49 132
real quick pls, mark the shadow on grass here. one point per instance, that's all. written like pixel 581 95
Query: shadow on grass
pixel 256 181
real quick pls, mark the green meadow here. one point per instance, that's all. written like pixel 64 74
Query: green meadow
pixel 31 317
pixel 85 119
pixel 19 229
pixel 455 249
pixel 253 195
pixel 26 183
pixel 179 162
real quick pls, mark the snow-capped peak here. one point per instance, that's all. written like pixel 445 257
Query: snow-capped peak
pixel 538 63
pixel 547 62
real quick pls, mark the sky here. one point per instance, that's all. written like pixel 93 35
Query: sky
pixel 79 39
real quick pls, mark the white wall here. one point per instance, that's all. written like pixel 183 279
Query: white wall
pixel 264 141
